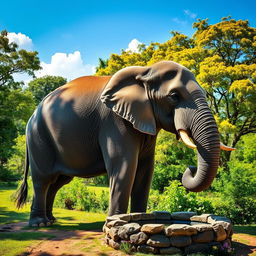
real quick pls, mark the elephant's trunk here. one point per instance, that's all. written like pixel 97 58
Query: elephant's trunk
pixel 204 132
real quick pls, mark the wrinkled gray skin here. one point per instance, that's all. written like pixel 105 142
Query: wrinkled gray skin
pixel 97 125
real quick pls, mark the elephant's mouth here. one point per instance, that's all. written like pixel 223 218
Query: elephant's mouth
pixel 184 136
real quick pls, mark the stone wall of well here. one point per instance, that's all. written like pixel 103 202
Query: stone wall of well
pixel 168 233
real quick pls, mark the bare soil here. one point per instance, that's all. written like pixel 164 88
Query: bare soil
pixel 91 243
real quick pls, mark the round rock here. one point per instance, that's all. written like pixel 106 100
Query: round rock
pixel 180 241
pixel 115 223
pixel 203 237
pixel 113 233
pixel 159 241
pixel 146 249
pixel 128 229
pixel 152 228
pixel 202 227
pixel 182 215
pixel 180 230
pixel 139 238
pixel 220 232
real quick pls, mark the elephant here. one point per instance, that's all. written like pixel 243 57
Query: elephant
pixel 96 125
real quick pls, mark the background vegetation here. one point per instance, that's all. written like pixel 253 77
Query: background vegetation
pixel 222 57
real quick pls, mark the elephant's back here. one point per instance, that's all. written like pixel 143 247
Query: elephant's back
pixel 79 95
pixel 72 114
pixel 85 85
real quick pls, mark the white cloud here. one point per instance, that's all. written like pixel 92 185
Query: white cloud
pixel 23 41
pixel 179 21
pixel 190 14
pixel 133 46
pixel 69 65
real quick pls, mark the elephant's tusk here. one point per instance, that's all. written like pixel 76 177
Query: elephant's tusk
pixel 226 148
pixel 185 138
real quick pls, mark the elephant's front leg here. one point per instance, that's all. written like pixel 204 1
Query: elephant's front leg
pixel 121 180
pixel 142 182
pixel 121 159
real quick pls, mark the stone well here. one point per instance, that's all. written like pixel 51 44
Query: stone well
pixel 168 233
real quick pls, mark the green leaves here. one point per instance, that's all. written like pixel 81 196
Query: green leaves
pixel 14 61
pixel 42 86
pixel 16 105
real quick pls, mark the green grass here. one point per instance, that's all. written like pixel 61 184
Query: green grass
pixel 97 189
pixel 8 211
pixel 67 219
pixel 246 229
pixel 15 243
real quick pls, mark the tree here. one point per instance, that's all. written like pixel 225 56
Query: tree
pixel 229 76
pixel 16 105
pixel 222 57
pixel 42 86
pixel 171 159
pixel 14 61
pixel 102 64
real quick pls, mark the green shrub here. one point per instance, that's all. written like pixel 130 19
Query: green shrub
pixel 7 175
pixel 239 181
pixel 175 198
pixel 237 192
pixel 77 196
pixel 171 159
pixel 240 211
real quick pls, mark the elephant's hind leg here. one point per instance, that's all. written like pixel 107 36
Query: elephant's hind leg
pixel 52 191
pixel 38 208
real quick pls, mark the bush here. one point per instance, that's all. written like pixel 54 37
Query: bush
pixel 77 196
pixel 175 198
pixel 237 191
pixel 171 160
pixel 99 180
pixel 240 211
pixel 8 176
pixel 239 181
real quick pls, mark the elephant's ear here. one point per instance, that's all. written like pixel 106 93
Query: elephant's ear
pixel 126 95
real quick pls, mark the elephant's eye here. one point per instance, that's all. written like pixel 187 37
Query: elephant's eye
pixel 174 97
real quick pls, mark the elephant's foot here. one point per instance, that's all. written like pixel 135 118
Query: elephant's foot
pixel 39 222
pixel 51 218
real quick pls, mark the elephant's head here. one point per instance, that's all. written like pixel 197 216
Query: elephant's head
pixel 166 95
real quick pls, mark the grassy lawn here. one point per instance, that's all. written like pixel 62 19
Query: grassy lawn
pixel 14 243
pixel 97 189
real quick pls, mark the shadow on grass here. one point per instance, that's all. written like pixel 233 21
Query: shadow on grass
pixel 7 216
pixel 24 236
pixel 249 230
pixel 243 249
pixel 68 218
pixel 92 226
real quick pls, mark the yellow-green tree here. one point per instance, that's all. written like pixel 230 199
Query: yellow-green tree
pixel 229 75
pixel 222 57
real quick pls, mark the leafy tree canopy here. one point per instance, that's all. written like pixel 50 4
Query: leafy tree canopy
pixel 222 57
pixel 16 105
pixel 42 86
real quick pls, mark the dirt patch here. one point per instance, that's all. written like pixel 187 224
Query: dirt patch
pixel 91 243
pixel 69 243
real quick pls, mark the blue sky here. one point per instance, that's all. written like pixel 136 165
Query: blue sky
pixel 88 30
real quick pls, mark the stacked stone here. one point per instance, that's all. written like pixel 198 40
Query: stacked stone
pixel 168 233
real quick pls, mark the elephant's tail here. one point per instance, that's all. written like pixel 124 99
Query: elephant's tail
pixel 22 192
